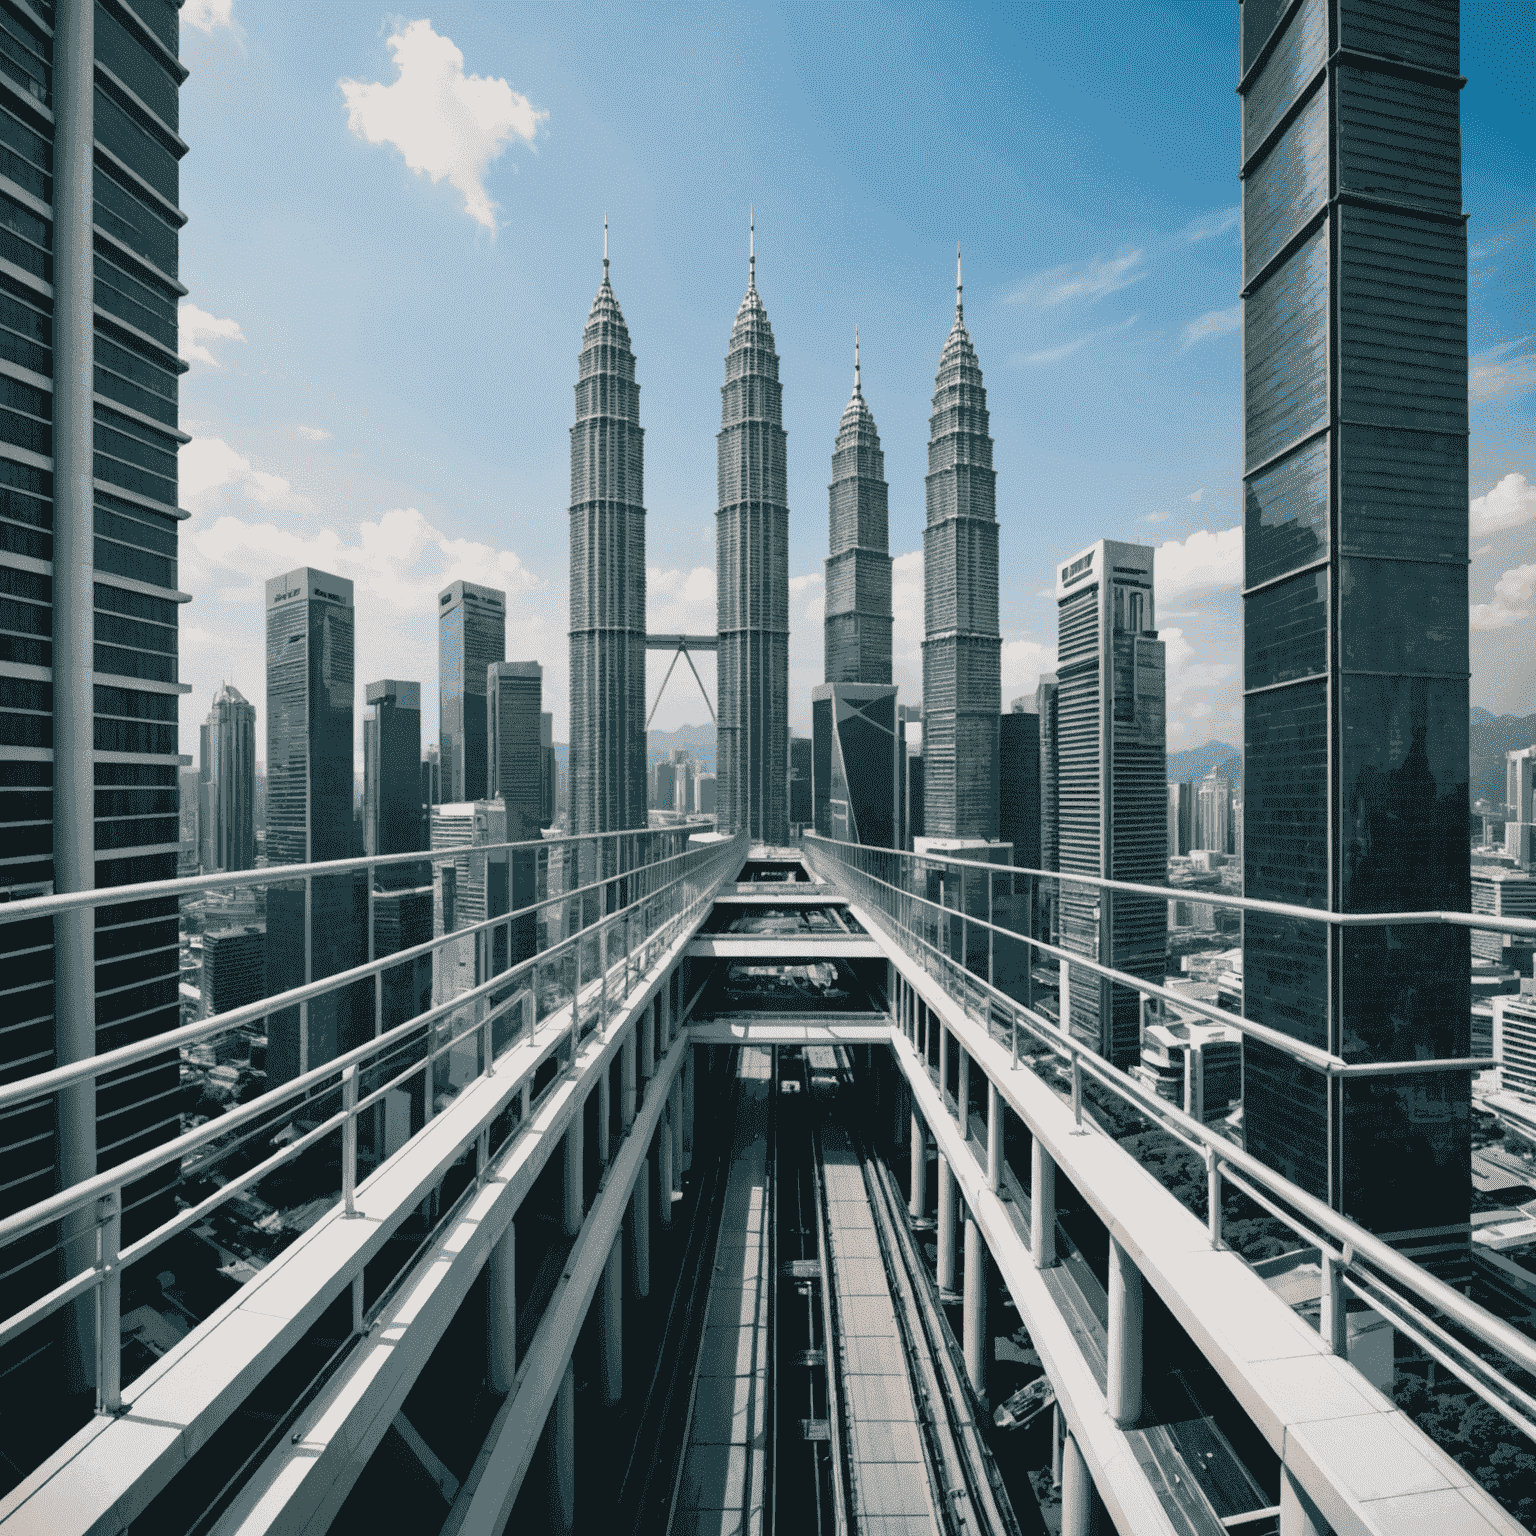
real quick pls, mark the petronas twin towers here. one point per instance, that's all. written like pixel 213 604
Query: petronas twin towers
pixel 962 644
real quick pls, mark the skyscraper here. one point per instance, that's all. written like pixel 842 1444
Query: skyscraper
pixel 392 773
pixel 1213 813
pixel 1112 801
pixel 513 692
pixel 856 767
pixel 962 648
pixel 1019 782
pixel 549 770
pixel 1355 603
pixel 309 816
pixel 1050 837
pixel 471 634
pixel 88 566
pixel 1181 819
pixel 227 783
pixel 857 628
pixel 752 581
pixel 608 757
pixel 1520 805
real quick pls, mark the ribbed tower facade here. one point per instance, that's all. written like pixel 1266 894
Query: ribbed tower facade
pixel 962 648
pixel 607 764
pixel 858 612
pixel 752 583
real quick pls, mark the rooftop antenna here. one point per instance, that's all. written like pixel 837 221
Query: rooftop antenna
pixel 959 286
pixel 751 246
pixel 605 247
pixel 856 360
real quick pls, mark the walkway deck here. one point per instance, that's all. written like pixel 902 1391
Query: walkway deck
pixel 720 1490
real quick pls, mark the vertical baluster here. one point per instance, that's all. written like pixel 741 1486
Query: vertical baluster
pixel 109 1302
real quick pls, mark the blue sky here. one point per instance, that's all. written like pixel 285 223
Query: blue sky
pixel 395 233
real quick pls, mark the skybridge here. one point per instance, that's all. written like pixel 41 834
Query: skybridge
pixel 717 1205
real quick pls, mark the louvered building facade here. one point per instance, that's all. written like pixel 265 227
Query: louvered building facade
pixel 962 648
pixel 608 758
pixel 1355 602
pixel 1112 804
pixel 752 583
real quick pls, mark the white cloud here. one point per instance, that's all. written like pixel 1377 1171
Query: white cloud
pixel 1089 280
pixel 1211 224
pixel 679 602
pixel 1510 504
pixel 1186 674
pixel 802 583
pixel 1023 661
pixel 206 463
pixel 1155 517
pixel 1512 600
pixel 205 15
pixel 1217 322
pixel 1493 376
pixel 315 434
pixel 1199 563
pixel 1055 354
pixel 445 123
pixel 194 326
pixel 1196 495
pixel 401 560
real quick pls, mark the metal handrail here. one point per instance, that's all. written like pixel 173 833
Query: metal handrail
pixel 1345 1245
pixel 288 874
pixel 695 883
pixel 1437 917
pixel 57 1078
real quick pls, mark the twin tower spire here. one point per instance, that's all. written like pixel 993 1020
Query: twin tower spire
pixel 961 652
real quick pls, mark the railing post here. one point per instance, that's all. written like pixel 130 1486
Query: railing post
pixel 109 1303
pixel 602 961
pixel 488 1043
pixel 1333 1321
pixel 1213 1196
pixel 1077 1090
pixel 349 1140
pixel 994 1137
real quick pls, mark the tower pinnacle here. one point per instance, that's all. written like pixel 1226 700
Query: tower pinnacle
pixel 856 388
pixel 751 246
pixel 605 247
pixel 959 288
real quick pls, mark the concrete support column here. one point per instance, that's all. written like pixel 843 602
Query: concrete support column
pixel 1298 1515
pixel 562 1452
pixel 664 1172
pixel 946 1274
pixel 975 1307
pixel 943 1035
pixel 647 1027
pixel 1076 1490
pixel 994 1137
pixel 640 1231
pixel 501 1312
pixel 917 1203
pixel 604 1114
pixel 1056 1433
pixel 898 1097
pixel 963 1094
pixel 675 1120
pixel 611 1297
pixel 575 1162
pixel 669 1014
pixel 688 1092
pixel 1042 1206
pixel 1124 1391
pixel 627 1085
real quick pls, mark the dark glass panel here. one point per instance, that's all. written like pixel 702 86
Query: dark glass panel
pixel 1296 58
pixel 1287 187
pixel 1402 493
pixel 136 564
pixel 1285 631
pixel 1425 34
pixel 1285 342
pixel 1402 616
pixel 140 150
pixel 1285 1116
pixel 1285 798
pixel 136 65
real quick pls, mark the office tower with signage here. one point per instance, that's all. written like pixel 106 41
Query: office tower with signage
pixel 1520 806
pixel 514 691
pixel 1112 796
pixel 471 634
pixel 226 788
pixel 319 927
pixel 88 624
pixel 962 648
pixel 392 775
pixel 1355 604
pixel 752 581
pixel 608 749
pixel 1213 813
pixel 856 766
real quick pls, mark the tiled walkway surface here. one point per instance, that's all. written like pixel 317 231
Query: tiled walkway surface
pixel 721 1491
pixel 891 1495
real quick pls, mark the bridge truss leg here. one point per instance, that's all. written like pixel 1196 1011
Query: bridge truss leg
pixel 975 1307
pixel 501 1312
pixel 611 1299
pixel 575 1171
pixel 1076 1490
pixel 1042 1206
pixel 917 1202
pixel 1124 1337
pixel 946 1275
pixel 640 1232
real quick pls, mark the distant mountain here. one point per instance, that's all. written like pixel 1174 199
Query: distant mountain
pixel 1198 761
pixel 1491 736
pixel 698 739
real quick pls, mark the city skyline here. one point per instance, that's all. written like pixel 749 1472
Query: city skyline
pixel 490 499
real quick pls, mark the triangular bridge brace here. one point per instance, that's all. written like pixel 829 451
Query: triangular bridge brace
pixel 681 645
